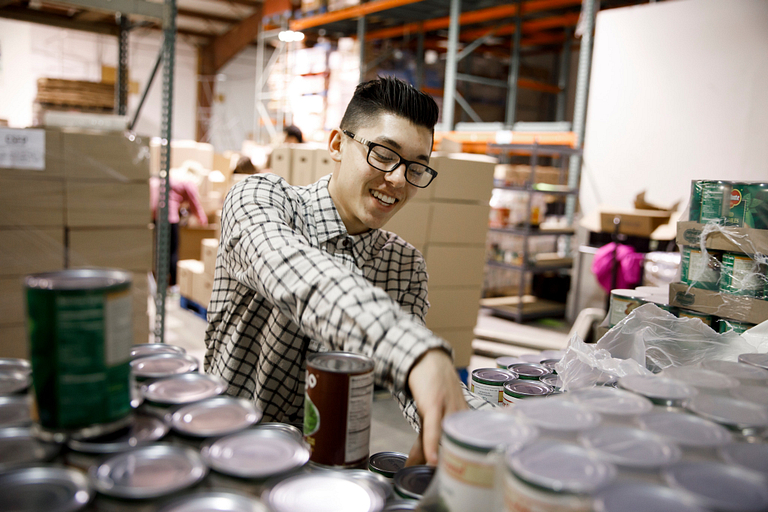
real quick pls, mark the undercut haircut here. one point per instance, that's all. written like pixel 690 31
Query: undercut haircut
pixel 389 95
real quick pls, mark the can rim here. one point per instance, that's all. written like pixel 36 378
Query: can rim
pixel 367 364
pixel 479 378
pixel 79 279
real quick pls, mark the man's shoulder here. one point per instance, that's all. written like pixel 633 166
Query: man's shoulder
pixel 394 243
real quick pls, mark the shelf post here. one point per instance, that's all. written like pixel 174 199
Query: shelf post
pixel 514 69
pixel 361 41
pixel 449 87
pixel 563 76
pixel 420 58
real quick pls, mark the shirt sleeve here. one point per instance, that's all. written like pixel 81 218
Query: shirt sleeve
pixel 191 195
pixel 264 251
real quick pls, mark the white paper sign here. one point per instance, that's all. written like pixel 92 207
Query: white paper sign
pixel 22 149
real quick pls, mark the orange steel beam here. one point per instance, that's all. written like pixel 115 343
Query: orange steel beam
pixel 523 83
pixel 348 13
pixel 469 18
pixel 565 20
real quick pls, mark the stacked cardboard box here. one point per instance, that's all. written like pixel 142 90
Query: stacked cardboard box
pixel 448 223
pixel 301 164
pixel 195 277
pixel 85 205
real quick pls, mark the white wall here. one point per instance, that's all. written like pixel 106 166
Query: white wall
pixel 679 91
pixel 232 120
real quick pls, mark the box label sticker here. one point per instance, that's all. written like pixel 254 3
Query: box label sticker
pixel 22 149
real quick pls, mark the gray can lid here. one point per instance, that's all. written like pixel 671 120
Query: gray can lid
pixel 49 488
pixel 493 376
pixel 735 414
pixel 642 497
pixel 531 358
pixel 400 506
pixel 158 366
pixel 380 482
pixel 529 370
pixel 215 501
pixel 217 416
pixel 321 491
pixel 612 401
pixel 413 481
pixel 720 486
pixel 79 279
pixel 340 362
pixel 528 388
pixel 700 377
pixel 18 446
pixel 184 389
pixel 15 364
pixel 658 388
pixel 552 380
pixel 557 413
pixel 631 447
pixel 752 393
pixel 15 411
pixel 255 453
pixel 504 361
pixel 14 382
pixel 148 472
pixel 147 349
pixel 741 371
pixel 487 429
pixel 144 429
pixel 686 429
pixel 752 456
pixel 387 463
pixel 759 360
pixel 561 467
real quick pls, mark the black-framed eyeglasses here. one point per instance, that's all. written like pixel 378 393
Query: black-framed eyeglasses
pixel 384 159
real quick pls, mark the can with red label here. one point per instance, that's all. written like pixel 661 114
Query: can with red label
pixel 337 408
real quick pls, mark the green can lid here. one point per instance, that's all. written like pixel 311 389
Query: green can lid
pixel 387 463
pixel 493 376
pixel 529 370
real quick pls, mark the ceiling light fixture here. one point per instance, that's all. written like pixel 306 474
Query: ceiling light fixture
pixel 289 36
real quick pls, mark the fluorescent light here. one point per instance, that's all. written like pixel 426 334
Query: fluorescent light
pixel 289 36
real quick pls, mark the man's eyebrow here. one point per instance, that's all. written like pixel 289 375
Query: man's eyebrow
pixel 383 139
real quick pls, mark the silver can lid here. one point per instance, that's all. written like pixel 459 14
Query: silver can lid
pixel 503 362
pixel 719 486
pixel 184 389
pixel 741 371
pixel 700 377
pixel 642 497
pixel 215 501
pixel 631 447
pixel 148 349
pixel 686 429
pixel 158 366
pixel 529 370
pixel 531 358
pixel 485 430
pixel 18 447
pixel 752 456
pixel 658 389
pixel 550 364
pixel 283 427
pixel 752 393
pixel 734 414
pixel 561 467
pixel 557 413
pixel 400 506
pixel 14 382
pixel 412 482
pixel 612 401
pixel 552 380
pixel 340 362
pixel 49 488
pixel 216 416
pixel 380 482
pixel 387 463
pixel 15 364
pixel 145 429
pixel 528 388
pixel 15 411
pixel 321 491
pixel 255 453
pixel 493 376
pixel 148 472
pixel 79 279
pixel 759 360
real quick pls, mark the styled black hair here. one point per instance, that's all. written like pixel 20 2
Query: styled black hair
pixel 293 130
pixel 389 95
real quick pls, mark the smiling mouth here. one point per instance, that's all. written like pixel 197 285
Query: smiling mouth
pixel 384 199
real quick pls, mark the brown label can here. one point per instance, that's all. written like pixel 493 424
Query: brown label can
pixel 337 408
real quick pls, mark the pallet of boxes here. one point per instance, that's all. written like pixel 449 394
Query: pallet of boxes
pixel 724 247
pixel 71 199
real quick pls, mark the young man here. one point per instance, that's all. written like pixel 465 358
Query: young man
pixel 305 268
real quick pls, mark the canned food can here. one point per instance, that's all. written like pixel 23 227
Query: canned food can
pixel 718 486
pixel 708 320
pixel 725 325
pixel 312 490
pixel 488 383
pixel 412 482
pixel 387 463
pixel 80 332
pixel 529 371
pixel 503 362
pixel 623 302
pixel 715 201
pixel 522 389
pixel 748 205
pixel 337 408
pixel 742 275
pixel 694 207
pixel 701 270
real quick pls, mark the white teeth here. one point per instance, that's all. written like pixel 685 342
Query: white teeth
pixel 384 199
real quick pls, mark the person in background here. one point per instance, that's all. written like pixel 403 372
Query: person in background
pixel 181 193
pixel 293 135
pixel 306 269
pixel 245 166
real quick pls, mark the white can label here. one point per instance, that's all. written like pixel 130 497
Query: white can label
pixel 511 400
pixel 359 417
pixel 493 394
pixel 621 307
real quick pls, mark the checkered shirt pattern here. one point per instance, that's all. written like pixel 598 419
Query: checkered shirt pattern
pixel 290 281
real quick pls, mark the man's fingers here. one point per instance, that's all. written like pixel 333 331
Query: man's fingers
pixel 431 431
pixel 416 455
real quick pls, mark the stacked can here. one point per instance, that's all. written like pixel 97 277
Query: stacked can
pixel 739 204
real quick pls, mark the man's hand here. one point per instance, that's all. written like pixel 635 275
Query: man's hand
pixel 437 392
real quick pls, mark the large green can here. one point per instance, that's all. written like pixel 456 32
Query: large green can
pixel 80 337
pixel 743 275
pixel 701 270
pixel 748 206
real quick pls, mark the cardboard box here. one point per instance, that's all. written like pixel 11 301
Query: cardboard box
pixel 633 222
pixel 455 265
pixel 14 341
pixel 454 223
pixel 28 251
pixel 461 341
pixel 209 247
pixel 123 248
pixel 140 293
pixel 185 269
pixel 280 162
pixel 26 201
pixel 302 165
pixel 190 241
pixel 453 308
pixel 105 156
pixel 54 163
pixel 753 240
pixel 324 164
pixel 12 300
pixel 98 204
pixel 184 150
pixel 733 307
pixel 411 223
pixel 520 175
pixel 463 177
pixel 141 328
pixel 202 286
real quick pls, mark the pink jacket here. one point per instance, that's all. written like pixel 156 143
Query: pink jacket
pixel 181 192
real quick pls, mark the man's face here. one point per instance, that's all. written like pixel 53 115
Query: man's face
pixel 365 197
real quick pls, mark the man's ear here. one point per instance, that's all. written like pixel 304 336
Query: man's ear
pixel 334 144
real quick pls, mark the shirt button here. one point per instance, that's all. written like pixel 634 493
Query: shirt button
pixel 346 243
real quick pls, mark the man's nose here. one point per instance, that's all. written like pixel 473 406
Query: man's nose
pixel 397 177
